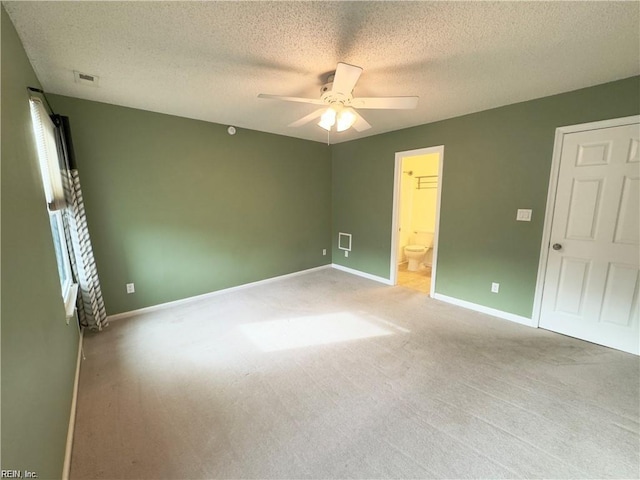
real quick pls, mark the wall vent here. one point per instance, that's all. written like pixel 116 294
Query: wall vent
pixel 86 78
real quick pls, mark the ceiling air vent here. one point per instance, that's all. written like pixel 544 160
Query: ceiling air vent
pixel 86 79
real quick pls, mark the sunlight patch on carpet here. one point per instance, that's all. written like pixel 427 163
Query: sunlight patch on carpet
pixel 289 333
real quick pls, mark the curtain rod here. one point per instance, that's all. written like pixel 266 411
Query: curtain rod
pixel 44 95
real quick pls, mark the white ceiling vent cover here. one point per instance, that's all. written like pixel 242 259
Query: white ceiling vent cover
pixel 86 79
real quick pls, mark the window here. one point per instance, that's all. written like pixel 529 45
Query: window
pixel 44 132
pixel 62 257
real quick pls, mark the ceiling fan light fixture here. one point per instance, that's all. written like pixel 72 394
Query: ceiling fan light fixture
pixel 345 119
pixel 328 119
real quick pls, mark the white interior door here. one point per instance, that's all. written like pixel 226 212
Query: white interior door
pixel 592 276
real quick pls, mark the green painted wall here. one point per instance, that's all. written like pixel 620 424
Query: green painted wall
pixel 181 208
pixel 494 162
pixel 39 350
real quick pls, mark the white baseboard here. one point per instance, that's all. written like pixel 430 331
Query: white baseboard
pixel 163 306
pixel 444 298
pixel 66 467
pixel 361 274
pixel 488 310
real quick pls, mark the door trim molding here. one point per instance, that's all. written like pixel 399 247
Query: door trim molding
pixel 395 221
pixel 551 198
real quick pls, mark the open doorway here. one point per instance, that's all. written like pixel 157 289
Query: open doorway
pixel 416 217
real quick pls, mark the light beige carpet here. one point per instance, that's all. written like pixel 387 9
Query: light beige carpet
pixel 328 375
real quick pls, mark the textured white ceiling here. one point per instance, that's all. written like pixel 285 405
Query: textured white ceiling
pixel 210 60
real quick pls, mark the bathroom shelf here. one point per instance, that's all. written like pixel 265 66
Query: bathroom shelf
pixel 427 181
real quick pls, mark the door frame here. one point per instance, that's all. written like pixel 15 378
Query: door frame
pixel 551 198
pixel 397 178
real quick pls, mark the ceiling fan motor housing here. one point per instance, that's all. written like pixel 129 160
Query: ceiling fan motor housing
pixel 331 97
pixel 326 87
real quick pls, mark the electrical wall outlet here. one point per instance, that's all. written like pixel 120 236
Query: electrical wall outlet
pixel 495 287
pixel 324 251
pixel 131 288
pixel 346 253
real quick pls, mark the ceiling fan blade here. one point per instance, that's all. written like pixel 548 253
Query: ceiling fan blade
pixel 384 103
pixel 345 78
pixel 360 125
pixel 314 101
pixel 308 118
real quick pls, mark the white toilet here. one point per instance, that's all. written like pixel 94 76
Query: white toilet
pixel 420 244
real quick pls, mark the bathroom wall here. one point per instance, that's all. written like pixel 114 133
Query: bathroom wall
pixel 423 215
pixel 406 209
pixel 417 207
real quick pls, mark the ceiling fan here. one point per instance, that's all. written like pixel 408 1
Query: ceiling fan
pixel 338 102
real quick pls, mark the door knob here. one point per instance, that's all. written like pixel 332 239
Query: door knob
pixel 557 246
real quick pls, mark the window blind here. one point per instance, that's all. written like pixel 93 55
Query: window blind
pixel 44 131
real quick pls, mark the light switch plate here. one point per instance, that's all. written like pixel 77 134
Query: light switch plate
pixel 524 215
